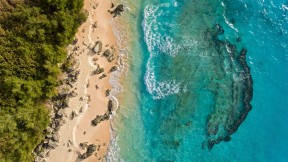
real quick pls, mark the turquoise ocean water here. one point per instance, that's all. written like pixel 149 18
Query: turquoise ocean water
pixel 196 70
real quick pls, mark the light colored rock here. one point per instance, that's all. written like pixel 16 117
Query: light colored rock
pixel 98 47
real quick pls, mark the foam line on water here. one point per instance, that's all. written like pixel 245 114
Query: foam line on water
pixel 114 80
pixel 158 44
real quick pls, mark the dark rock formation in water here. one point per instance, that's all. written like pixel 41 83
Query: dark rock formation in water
pixel 229 114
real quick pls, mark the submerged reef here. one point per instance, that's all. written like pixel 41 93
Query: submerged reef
pixel 231 111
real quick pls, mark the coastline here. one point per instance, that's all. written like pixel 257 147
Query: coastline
pixel 91 92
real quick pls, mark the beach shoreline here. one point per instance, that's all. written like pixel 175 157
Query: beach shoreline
pixel 93 91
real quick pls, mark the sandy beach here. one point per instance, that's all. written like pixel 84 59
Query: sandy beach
pixel 91 89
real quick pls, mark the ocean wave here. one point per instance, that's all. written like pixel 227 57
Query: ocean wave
pixel 157 44
pixel 114 80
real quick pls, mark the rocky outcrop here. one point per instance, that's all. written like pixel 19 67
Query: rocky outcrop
pixel 117 11
pixel 225 120
pixel 58 103
pixel 90 150
pixel 99 70
pixel 99 118
pixel 110 106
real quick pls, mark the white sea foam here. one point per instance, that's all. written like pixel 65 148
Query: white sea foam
pixel 113 149
pixel 158 43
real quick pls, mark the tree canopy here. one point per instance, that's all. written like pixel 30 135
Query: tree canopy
pixel 33 36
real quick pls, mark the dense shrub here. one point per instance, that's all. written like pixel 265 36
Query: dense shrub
pixel 33 36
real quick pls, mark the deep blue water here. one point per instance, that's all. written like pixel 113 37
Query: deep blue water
pixel 192 82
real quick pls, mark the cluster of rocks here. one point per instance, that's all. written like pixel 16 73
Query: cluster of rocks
pixel 117 11
pixel 109 55
pixel 72 77
pixel 99 70
pixel 90 149
pixel 58 116
pixel 99 119
pixel 51 140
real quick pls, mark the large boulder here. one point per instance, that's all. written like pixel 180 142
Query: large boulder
pixel 117 11
pixel 107 53
pixel 110 106
pixel 96 121
pixel 91 148
pixel 98 47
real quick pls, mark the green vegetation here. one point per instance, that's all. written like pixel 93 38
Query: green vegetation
pixel 33 36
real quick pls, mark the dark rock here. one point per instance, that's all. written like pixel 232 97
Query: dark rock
pixel 188 123
pixel 113 68
pixel 117 11
pixel 69 143
pixel 74 41
pixel 107 92
pixel 72 94
pixel 102 76
pixel 94 25
pixel 91 148
pixel 111 58
pixel 58 115
pixel 82 156
pixel 83 145
pixel 110 106
pixel 107 53
pixel 227 138
pixel 96 121
pixel 99 118
pixel 73 115
pixel 99 70
pixel 238 40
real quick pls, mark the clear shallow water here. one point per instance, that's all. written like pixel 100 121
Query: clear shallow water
pixel 183 71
